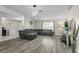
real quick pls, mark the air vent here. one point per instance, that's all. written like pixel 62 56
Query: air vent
pixel 40 11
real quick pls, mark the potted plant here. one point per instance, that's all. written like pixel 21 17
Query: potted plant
pixel 74 36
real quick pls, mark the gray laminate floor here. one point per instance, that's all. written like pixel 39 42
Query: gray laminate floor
pixel 42 44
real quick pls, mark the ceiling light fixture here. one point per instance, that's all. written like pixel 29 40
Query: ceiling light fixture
pixel 35 11
pixel 34 6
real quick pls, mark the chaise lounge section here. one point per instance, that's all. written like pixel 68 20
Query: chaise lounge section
pixel 23 34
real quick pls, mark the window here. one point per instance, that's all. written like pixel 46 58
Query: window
pixel 48 25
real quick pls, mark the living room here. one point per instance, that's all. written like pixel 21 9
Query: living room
pixel 32 23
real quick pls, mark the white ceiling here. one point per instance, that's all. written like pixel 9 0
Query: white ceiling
pixel 48 11
pixel 8 12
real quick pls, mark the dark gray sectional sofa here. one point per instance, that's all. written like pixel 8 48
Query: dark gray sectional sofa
pixel 31 34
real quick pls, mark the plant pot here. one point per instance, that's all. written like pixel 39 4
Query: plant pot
pixel 74 46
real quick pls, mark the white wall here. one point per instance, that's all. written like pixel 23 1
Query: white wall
pixel 59 26
pixel 58 29
pixel 0 26
pixel 74 12
pixel 39 24
pixel 27 24
pixel 12 25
